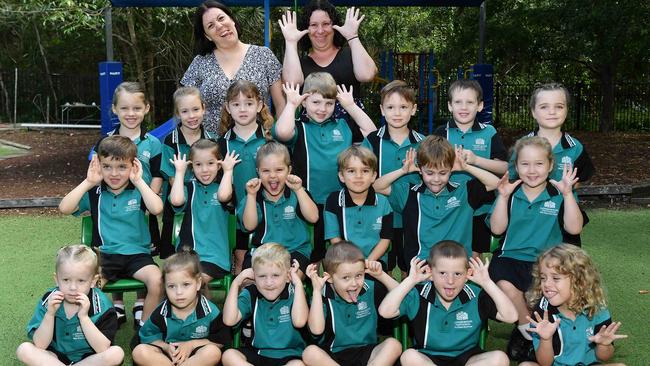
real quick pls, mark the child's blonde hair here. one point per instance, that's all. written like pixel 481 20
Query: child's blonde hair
pixel 249 90
pixel 272 148
pixel 436 152
pixel 552 86
pixel 271 254
pixel 77 253
pixel 130 87
pixel 339 253
pixel 364 154
pixel 536 141
pixel 205 144
pixel 185 91
pixel 400 88
pixel 322 83
pixel 587 294
pixel 117 147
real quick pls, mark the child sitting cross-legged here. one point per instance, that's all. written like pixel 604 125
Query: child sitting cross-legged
pixel 446 312
pixel 343 311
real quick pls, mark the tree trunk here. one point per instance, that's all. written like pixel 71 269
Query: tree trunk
pixel 135 46
pixel 150 73
pixel 606 77
pixel 48 76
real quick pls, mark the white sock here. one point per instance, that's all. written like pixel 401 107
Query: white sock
pixel 141 322
pixel 138 313
pixel 522 329
pixel 119 305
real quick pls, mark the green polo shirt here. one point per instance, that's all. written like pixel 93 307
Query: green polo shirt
pixel 205 322
pixel 119 225
pixel 279 222
pixel 390 156
pixel 68 338
pixel 149 153
pixel 205 224
pixel 430 218
pixel 447 332
pixel 175 144
pixel 533 226
pixel 246 169
pixel 568 151
pixel 315 148
pixel 274 335
pixel 349 325
pixel 571 345
pixel 363 225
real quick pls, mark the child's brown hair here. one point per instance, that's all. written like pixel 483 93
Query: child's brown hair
pixel 398 87
pixel 205 144
pixel 341 252
pixel 118 148
pixel 322 83
pixel 552 86
pixel 249 90
pixel 365 155
pixel 130 87
pixel 462 84
pixel 446 249
pixel 437 152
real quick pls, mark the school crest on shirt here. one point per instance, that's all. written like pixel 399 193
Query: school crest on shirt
pixel 549 208
pixel 589 332
pixel 452 202
pixel 285 314
pixel 78 334
pixel 337 135
pixel 145 156
pixel 215 199
pixel 200 331
pixel 289 213
pixel 362 309
pixel 132 205
pixel 377 224
pixel 462 321
pixel 479 144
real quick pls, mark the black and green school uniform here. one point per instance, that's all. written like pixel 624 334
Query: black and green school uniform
pixel 175 144
pixel 279 222
pixel 205 224
pixel 149 153
pixel 119 225
pixel 274 335
pixel 363 225
pixel 568 151
pixel 351 325
pixel 205 322
pixel 447 332
pixel 68 338
pixel 430 218
pixel 571 345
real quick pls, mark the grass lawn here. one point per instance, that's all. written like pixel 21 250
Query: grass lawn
pixel 616 239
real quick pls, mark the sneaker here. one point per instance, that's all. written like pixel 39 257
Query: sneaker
pixel 121 316
pixel 519 348
pixel 136 321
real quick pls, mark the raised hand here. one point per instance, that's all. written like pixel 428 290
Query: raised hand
pixel 294 182
pixel 245 277
pixel 460 164
pixel 408 164
pixel 350 28
pixel 84 305
pixel 292 91
pixel 229 161
pixel 607 334
pixel 478 272
pixel 136 171
pixel 468 156
pixel 94 174
pixel 373 268
pixel 180 163
pixel 506 188
pixel 344 96
pixel 420 270
pixel 54 302
pixel 317 282
pixel 569 179
pixel 253 185
pixel 543 327
pixel 289 26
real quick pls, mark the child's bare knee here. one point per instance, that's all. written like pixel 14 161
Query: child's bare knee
pixel 114 355
pixel 24 350
pixel 311 354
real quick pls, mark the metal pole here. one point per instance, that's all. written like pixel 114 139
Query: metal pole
pixel 108 29
pixel 15 95
pixel 481 33
pixel 267 23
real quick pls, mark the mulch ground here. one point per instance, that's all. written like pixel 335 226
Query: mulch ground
pixel 58 160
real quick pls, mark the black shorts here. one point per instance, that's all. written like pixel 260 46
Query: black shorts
pixel 241 239
pixel 396 254
pixel 64 359
pixel 319 249
pixel 302 260
pixel 481 235
pixel 459 360
pixel 515 271
pixel 252 357
pixel 165 353
pixel 353 356
pixel 213 270
pixel 116 266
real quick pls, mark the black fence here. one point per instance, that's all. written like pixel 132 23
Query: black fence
pixel 38 101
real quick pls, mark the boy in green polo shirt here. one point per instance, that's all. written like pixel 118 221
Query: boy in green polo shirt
pixel 276 305
pixel 436 209
pixel 446 312
pixel 356 213
pixel 318 138
pixel 482 147
pixel 343 311
pixel 117 198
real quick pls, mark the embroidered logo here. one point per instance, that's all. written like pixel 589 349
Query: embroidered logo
pixel 549 204
pixel 362 309
pixel 146 154
pixel 463 321
pixel 285 315
pixel 336 135
pixel 566 160
pixel 78 334
pixel 215 196
pixel 479 141
pixel 461 315
pixel 200 331
pixel 289 213
pixel 377 224
pixel 549 208
pixel 452 202
pixel 589 331
pixel 132 205
pixel 284 310
pixel 479 144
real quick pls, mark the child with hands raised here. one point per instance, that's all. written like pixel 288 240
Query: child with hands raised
pixel 571 324
pixel 205 204
pixel 74 322
pixel 446 312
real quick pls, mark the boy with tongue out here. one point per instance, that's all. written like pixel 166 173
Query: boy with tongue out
pixel 343 312
pixel 446 312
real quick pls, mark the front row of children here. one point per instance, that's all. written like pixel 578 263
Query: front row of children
pixel 76 323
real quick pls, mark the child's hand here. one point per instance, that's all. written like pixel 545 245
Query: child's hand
pixel 292 91
pixel 54 302
pixel 373 268
pixel 569 178
pixel 506 188
pixel 253 186
pixel 245 277
pixel 289 26
pixel 229 161
pixel 345 97
pixel 295 273
pixel 94 174
pixel 351 26
pixel 180 163
pixel 136 171
pixel 294 182
pixel 181 351
pixel 317 282
pixel 607 334
pixel 420 270
pixel 408 164
pixel 478 272
pixel 468 156
pixel 543 327
pixel 84 305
